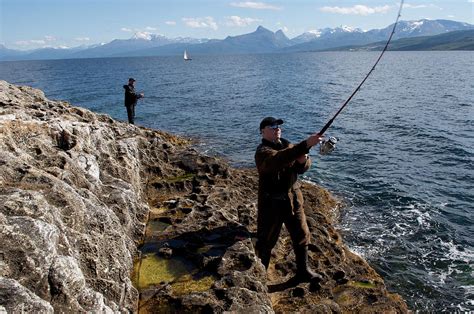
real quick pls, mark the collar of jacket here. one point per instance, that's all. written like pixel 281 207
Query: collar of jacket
pixel 278 145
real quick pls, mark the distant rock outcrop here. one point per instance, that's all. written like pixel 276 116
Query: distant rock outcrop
pixel 98 215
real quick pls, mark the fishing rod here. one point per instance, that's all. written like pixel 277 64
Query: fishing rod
pixel 329 145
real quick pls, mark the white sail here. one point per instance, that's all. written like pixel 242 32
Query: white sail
pixel 186 56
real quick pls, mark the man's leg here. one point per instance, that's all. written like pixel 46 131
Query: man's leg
pixel 269 223
pixel 300 236
pixel 303 271
pixel 130 113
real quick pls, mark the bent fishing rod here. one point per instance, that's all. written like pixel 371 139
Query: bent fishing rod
pixel 366 77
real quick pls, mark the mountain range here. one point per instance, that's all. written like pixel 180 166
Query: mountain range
pixel 456 40
pixel 263 40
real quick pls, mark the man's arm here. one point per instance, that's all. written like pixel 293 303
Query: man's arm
pixel 302 164
pixel 269 160
pixel 131 93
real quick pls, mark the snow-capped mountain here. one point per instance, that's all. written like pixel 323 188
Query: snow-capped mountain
pixel 342 36
pixel 139 41
pixel 261 40
pixel 427 27
pixel 319 33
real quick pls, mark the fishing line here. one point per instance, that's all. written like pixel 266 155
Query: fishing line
pixel 367 76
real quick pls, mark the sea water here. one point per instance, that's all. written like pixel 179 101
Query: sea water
pixel 403 164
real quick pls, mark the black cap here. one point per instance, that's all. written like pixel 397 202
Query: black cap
pixel 131 79
pixel 270 121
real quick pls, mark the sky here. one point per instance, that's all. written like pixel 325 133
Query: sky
pixel 31 24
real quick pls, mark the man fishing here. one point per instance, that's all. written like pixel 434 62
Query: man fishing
pixel 131 98
pixel 280 200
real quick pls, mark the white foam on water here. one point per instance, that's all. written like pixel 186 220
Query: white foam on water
pixel 455 254
pixel 463 309
pixel 470 290
pixel 402 229
pixel 423 218
pixel 369 251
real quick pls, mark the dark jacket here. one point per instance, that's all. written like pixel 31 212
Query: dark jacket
pixel 278 171
pixel 131 96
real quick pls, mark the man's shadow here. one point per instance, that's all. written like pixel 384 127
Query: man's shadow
pixel 292 282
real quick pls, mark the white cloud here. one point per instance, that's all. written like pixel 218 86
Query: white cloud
pixel 255 5
pixel 82 39
pixel 36 42
pixel 240 21
pixel 356 10
pixel 282 27
pixel 200 22
pixel 411 6
pixel 421 6
pixel 170 23
pixel 124 29
pixel 451 16
pixel 143 35
pixel 150 28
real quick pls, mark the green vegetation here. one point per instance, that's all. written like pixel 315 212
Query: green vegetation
pixel 362 284
pixel 154 270
pixel 184 177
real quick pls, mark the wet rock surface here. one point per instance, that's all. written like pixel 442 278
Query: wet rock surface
pixel 99 215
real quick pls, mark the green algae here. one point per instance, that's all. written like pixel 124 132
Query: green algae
pixel 184 177
pixel 187 284
pixel 156 226
pixel 204 249
pixel 362 284
pixel 157 210
pixel 154 270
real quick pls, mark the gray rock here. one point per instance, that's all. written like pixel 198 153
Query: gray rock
pixel 80 194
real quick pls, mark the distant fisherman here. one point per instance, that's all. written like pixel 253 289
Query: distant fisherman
pixel 131 98
pixel 280 200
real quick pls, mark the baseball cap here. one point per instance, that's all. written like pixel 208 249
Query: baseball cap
pixel 270 121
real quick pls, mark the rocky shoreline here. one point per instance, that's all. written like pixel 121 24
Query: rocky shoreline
pixel 98 215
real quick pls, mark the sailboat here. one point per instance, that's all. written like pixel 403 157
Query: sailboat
pixel 186 56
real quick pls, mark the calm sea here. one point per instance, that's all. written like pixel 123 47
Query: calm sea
pixel 403 165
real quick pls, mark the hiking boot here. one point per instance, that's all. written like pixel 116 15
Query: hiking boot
pixel 264 258
pixel 303 271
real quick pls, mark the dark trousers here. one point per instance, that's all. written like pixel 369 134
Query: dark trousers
pixel 272 214
pixel 131 113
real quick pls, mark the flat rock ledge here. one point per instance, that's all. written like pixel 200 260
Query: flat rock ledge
pixel 81 192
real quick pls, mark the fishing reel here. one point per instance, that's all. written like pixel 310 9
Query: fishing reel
pixel 327 146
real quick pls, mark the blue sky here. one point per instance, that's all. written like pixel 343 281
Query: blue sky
pixel 29 24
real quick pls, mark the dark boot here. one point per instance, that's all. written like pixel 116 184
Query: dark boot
pixel 303 272
pixel 265 258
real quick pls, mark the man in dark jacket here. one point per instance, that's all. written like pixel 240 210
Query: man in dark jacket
pixel 279 196
pixel 131 98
